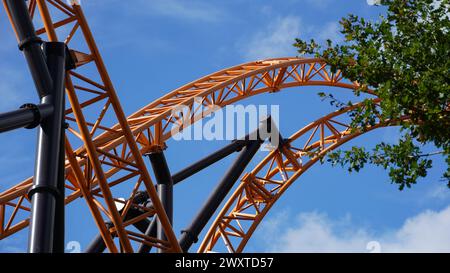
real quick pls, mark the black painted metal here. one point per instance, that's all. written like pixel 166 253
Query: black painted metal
pixel 30 44
pixel 55 54
pixel 190 235
pixel 48 72
pixel 255 140
pixel 29 116
pixel 44 193
pixel 203 163
pixel 164 187
pixel 152 232
pixel 59 231
pixel 97 245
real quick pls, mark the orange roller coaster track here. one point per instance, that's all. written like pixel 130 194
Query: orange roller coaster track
pixel 112 145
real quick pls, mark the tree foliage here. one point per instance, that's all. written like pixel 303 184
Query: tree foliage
pixel 404 58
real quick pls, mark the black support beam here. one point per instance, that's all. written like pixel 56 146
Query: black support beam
pixel 150 231
pixel 164 187
pixel 28 116
pixel 190 235
pixel 45 194
pixel 194 168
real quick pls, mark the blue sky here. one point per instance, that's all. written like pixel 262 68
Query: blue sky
pixel 152 47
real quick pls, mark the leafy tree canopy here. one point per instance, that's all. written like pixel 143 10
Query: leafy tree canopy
pixel 404 58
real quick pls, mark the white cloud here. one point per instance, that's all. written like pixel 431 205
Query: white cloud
pixel 440 192
pixel 315 232
pixel 275 40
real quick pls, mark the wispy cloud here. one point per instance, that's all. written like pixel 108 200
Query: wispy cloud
pixel 440 192
pixel 316 232
pixel 274 40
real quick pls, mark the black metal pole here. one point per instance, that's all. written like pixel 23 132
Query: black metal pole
pixel 98 245
pixel 30 44
pixel 29 116
pixel 190 235
pixel 164 188
pixel 59 231
pixel 194 168
pixel 152 232
pixel 45 194
pixel 56 62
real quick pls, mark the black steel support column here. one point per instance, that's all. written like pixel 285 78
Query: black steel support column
pixel 152 232
pixel 164 188
pixel 59 231
pixel 47 216
pixel 190 235
pixel 56 62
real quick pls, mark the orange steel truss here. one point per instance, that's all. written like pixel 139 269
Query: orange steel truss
pixel 111 146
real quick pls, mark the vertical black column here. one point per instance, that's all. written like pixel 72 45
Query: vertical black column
pixel 190 235
pixel 48 73
pixel 47 214
pixel 164 188
pixel 55 58
pixel 152 232
pixel 59 232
